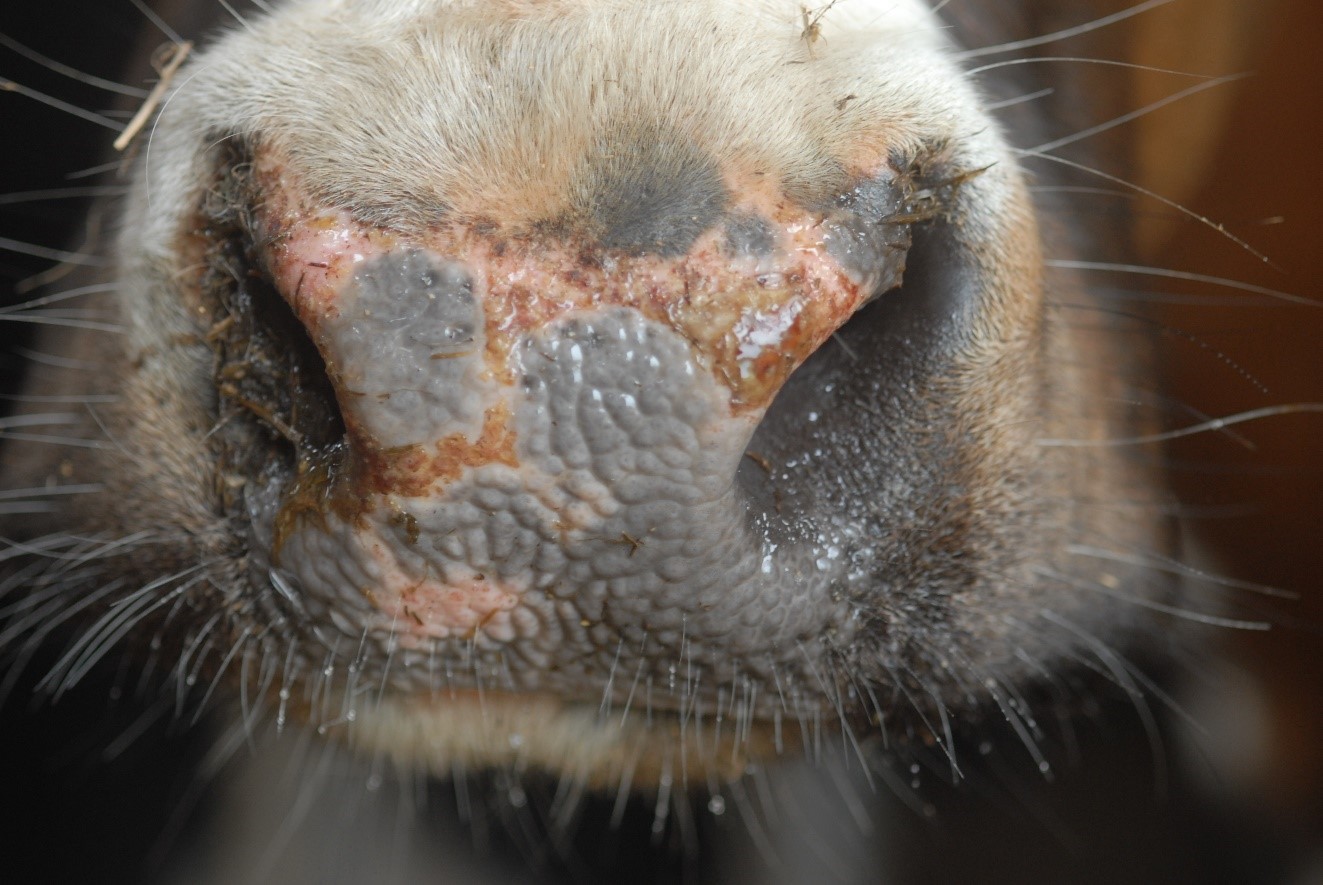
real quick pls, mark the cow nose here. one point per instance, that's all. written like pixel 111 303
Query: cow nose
pixel 542 427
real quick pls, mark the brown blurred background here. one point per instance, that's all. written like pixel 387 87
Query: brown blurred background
pixel 1247 156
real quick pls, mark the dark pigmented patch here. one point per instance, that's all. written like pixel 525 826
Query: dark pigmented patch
pixel 649 194
pixel 749 235
pixel 859 232
pixel 873 199
pixel 408 343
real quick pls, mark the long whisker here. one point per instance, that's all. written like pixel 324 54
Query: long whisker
pixel 1184 614
pixel 66 71
pixel 150 14
pixel 1167 273
pixel 80 258
pixel 73 110
pixel 1065 33
pixel 62 193
pixel 1210 426
pixel 1188 213
pixel 1131 116
pixel 1156 561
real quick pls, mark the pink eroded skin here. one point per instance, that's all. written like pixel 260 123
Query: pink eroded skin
pixel 751 320
pixel 431 608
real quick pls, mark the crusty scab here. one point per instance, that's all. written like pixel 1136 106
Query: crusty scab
pixel 812 267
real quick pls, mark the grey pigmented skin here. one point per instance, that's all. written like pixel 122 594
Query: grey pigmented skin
pixel 748 235
pixel 408 344
pixel 858 235
pixel 651 195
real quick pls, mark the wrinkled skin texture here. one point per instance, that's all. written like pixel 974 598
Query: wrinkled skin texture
pixel 601 440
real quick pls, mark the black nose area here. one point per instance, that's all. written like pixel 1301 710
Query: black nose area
pixel 647 193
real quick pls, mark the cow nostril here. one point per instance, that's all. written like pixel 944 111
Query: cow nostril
pixel 278 409
pixel 865 381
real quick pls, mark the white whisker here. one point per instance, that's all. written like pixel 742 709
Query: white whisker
pixel 1210 426
pixel 7 85
pixel 52 491
pixel 171 34
pixel 65 70
pixel 81 258
pixel 61 193
pixel 1084 134
pixel 1156 561
pixel 1184 614
pixel 1020 99
pixel 1065 33
pixel 1188 213
pixel 1166 273
pixel 1072 59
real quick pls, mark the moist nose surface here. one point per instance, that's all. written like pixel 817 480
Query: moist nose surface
pixel 408 342
pixel 542 439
